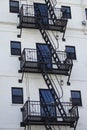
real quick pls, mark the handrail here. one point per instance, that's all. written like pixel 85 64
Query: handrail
pixel 31 54
pixel 28 10
pixel 33 108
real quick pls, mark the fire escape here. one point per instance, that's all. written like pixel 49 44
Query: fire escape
pixel 66 114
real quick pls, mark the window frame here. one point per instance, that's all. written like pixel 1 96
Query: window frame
pixel 71 55
pixel 43 12
pixel 51 100
pixel 67 14
pixel 14 9
pixel 86 13
pixel 79 103
pixel 46 58
pixel 21 96
pixel 14 48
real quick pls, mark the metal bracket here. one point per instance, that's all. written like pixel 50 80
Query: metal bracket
pixel 19 35
pixel 68 83
pixel 63 39
pixel 20 80
pixel 75 125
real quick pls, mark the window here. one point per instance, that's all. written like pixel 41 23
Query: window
pixel 15 48
pixel 76 98
pixel 86 12
pixel 43 12
pixel 17 95
pixel 46 95
pixel 44 56
pixel 66 12
pixel 71 52
pixel 14 6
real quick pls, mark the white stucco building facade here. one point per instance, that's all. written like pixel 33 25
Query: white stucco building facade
pixel 75 36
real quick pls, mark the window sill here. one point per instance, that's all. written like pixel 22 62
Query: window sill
pixel 16 104
pixel 14 56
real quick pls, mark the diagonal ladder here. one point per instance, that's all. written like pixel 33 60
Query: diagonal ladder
pixel 49 42
pixel 54 94
pixel 50 4
pixel 51 11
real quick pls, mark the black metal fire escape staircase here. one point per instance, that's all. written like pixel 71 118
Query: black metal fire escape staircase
pixel 43 67
pixel 56 59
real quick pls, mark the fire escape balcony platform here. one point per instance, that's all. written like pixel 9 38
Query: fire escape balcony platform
pixel 29 62
pixel 32 114
pixel 27 19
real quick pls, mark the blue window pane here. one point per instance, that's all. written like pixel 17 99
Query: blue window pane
pixel 14 6
pixel 44 55
pixel 66 9
pixel 17 95
pixel 76 101
pixel 66 12
pixel 14 3
pixel 15 48
pixel 15 45
pixel 43 10
pixel 76 98
pixel 70 49
pixel 43 15
pixel 75 94
pixel 49 100
pixel 47 96
pixel 15 51
pixel 17 100
pixel 71 53
pixel 17 92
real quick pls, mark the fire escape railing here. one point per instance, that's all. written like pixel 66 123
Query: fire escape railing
pixel 28 10
pixel 27 19
pixel 33 109
pixel 30 54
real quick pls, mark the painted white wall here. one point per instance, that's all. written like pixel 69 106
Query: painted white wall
pixel 76 35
